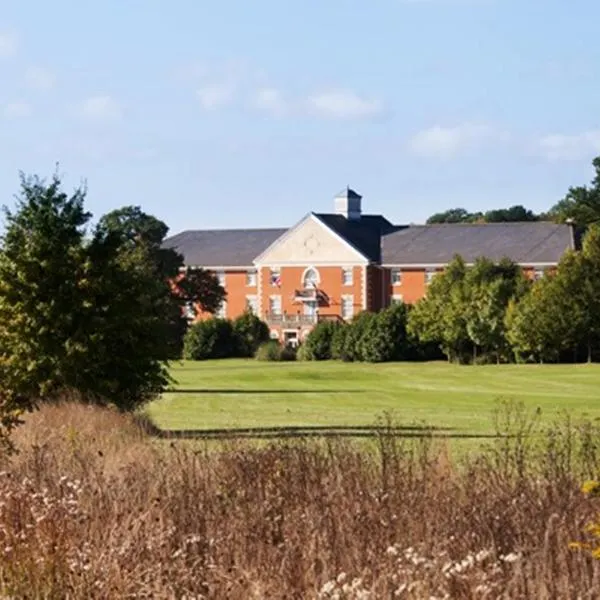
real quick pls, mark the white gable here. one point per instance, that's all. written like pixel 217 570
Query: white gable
pixel 311 242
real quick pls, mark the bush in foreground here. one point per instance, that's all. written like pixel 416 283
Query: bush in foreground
pixel 213 338
pixel 317 345
pixel 93 508
pixel 273 351
pixel 250 332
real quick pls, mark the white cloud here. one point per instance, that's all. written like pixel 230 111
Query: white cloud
pixel 570 147
pixel 343 104
pixel 270 100
pixel 448 142
pixel 17 110
pixel 215 95
pixel 9 43
pixel 101 108
pixel 40 78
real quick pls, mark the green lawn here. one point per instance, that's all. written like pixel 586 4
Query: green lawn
pixel 237 393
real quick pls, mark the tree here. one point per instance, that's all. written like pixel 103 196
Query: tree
pixel 318 344
pixel 581 203
pixel 513 214
pixel 140 238
pixel 213 338
pixel 80 309
pixel 454 215
pixel 385 337
pixel 489 287
pixel 250 332
pixel 440 316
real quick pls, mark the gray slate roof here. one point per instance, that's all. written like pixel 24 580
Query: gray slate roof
pixel 525 243
pixel 222 247
pixel 364 235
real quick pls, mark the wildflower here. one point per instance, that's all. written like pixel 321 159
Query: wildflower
pixel 510 558
pixel 341 578
pixel 591 488
pixel 392 551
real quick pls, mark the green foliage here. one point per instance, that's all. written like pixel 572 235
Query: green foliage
pixel 212 338
pixel 338 342
pixel 317 345
pixel 273 351
pixel 562 312
pixel 581 203
pixel 465 309
pixel 250 332
pixel 385 337
pixel 515 213
pixel 82 308
pixel 303 353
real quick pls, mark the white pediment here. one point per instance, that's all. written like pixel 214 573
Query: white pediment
pixel 311 242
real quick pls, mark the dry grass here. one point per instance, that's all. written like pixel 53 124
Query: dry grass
pixel 91 507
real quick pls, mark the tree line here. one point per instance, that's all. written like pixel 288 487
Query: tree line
pixel 581 204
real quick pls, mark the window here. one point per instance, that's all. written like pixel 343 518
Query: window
pixel 396 276
pixel 275 278
pixel 347 276
pixel 538 274
pixel 311 278
pixel 222 310
pixel 397 299
pixel 221 278
pixel 251 278
pixel 252 304
pixel 347 307
pixel 189 311
pixel 429 275
pixel 275 305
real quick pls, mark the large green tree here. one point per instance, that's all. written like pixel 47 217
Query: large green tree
pixel 179 291
pixel 82 308
pixel 581 203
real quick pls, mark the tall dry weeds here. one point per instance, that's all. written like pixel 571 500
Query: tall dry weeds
pixel 92 507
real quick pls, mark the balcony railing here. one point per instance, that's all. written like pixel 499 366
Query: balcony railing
pixel 299 320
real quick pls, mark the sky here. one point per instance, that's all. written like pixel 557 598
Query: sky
pixel 251 114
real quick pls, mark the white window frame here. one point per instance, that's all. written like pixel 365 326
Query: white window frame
pixel 221 277
pixel 278 299
pixel 317 279
pixel 396 276
pixel 252 303
pixel 251 278
pixel 429 275
pixel 538 274
pixel 347 298
pixel 274 273
pixel 347 276
pixel 221 312
pixel 397 299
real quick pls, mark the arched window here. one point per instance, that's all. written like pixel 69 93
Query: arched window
pixel 311 278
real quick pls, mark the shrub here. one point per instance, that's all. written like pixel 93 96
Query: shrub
pixel 213 338
pixel 250 332
pixel 338 342
pixel 352 348
pixel 319 340
pixel 288 353
pixel 384 337
pixel 303 353
pixel 269 351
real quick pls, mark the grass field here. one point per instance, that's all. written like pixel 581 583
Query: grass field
pixel 238 394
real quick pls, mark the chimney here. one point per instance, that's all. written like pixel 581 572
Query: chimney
pixel 347 203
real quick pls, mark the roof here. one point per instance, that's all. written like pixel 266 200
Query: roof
pixel 525 243
pixel 364 233
pixel 222 247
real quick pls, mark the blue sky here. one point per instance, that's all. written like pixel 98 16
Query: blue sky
pixel 250 114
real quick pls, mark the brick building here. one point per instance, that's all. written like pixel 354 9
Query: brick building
pixel 334 265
